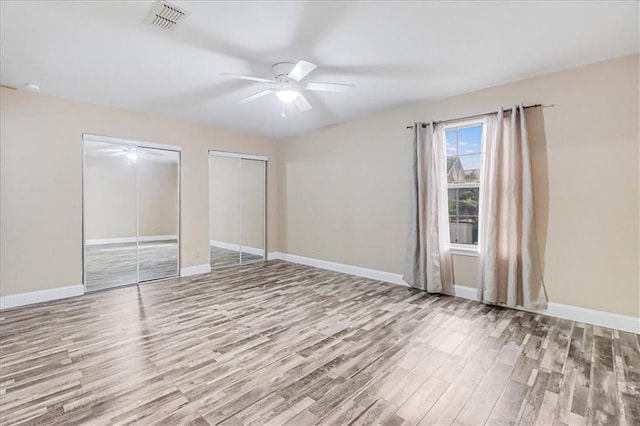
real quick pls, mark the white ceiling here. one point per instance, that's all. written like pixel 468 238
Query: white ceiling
pixel 395 52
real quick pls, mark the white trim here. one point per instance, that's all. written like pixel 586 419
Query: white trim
pixel 123 240
pixel 22 299
pixel 195 270
pixel 137 167
pixel 462 123
pixel 464 185
pixel 346 269
pixel 465 292
pixel 237 247
pixel 119 240
pixel 462 250
pixel 237 155
pixel 87 137
pixel 275 255
pixel 591 316
pixel 573 313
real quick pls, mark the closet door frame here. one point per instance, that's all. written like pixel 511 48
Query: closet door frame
pixel 88 137
pixel 214 153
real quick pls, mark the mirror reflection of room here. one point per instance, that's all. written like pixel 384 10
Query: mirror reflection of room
pixel 131 202
pixel 158 201
pixel 237 210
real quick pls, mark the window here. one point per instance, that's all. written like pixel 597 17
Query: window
pixel 464 162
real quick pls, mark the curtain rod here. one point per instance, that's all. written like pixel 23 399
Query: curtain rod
pixel 482 115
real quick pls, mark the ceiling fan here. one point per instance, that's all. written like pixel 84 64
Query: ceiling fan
pixel 287 79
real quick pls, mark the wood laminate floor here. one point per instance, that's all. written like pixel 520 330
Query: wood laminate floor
pixel 279 343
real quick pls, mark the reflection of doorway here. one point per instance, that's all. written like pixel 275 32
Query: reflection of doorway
pixel 237 208
pixel 131 202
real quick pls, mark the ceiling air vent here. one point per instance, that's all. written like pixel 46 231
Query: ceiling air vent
pixel 165 15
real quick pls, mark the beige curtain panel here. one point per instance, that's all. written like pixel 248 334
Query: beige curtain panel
pixel 510 271
pixel 428 262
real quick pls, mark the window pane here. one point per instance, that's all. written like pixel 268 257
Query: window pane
pixel 452 148
pixel 452 169
pixel 455 170
pixel 463 230
pixel 453 229
pixel 467 199
pixel 470 166
pixel 469 140
pixel 464 163
pixel 453 202
pixel 463 215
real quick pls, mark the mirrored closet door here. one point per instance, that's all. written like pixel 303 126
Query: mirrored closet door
pixel 237 208
pixel 158 213
pixel 253 210
pixel 130 212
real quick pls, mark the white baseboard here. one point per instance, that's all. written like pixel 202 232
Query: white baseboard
pixel 465 292
pixel 195 270
pixel 30 298
pixel 591 316
pixel 558 310
pixel 574 313
pixel 275 255
pixel 237 247
pixel 123 240
pixel 15 300
pixel 346 269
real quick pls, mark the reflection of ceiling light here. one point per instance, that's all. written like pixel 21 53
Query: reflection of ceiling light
pixel 287 95
pixel 32 87
pixel 131 156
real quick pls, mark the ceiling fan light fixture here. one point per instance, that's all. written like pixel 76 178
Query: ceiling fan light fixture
pixel 287 96
pixel 287 85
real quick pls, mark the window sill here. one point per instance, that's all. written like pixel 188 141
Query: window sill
pixel 461 250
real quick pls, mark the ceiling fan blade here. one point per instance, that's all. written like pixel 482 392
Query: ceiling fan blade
pixel 329 87
pixel 248 77
pixel 256 96
pixel 301 70
pixel 302 103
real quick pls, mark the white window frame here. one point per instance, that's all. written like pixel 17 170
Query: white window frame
pixel 456 248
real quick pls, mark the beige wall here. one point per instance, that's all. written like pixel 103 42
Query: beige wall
pixel 41 186
pixel 344 189
pixel 112 204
